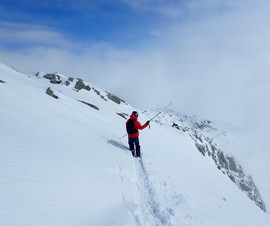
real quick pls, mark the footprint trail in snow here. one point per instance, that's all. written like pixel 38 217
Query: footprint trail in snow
pixel 151 210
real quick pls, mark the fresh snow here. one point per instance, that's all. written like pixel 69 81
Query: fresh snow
pixel 63 162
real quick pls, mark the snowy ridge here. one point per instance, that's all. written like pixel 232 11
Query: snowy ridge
pixel 199 131
pixel 76 84
pixel 64 161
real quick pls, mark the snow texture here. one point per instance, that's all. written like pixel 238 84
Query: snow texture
pixel 65 161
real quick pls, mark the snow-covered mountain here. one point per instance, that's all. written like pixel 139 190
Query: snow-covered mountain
pixel 64 161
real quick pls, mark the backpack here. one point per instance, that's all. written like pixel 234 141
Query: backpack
pixel 130 126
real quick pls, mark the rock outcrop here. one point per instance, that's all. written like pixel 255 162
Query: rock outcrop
pixel 50 92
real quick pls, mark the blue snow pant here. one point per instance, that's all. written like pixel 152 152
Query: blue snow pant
pixel 136 152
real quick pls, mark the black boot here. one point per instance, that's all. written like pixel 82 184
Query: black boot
pixel 133 153
pixel 138 153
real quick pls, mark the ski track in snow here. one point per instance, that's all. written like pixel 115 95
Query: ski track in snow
pixel 151 211
pixel 150 208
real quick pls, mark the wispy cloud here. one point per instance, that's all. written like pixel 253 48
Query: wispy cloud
pixel 29 34
pixel 180 9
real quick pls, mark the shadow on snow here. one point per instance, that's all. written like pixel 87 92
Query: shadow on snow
pixel 118 144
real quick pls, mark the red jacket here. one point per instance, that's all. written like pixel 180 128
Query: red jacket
pixel 137 126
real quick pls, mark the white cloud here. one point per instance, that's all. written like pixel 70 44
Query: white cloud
pixel 23 33
pixel 216 67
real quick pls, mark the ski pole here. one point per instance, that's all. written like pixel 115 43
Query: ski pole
pixel 151 118
pixel 161 111
pixel 123 136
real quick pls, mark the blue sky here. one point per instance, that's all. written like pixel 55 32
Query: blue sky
pixel 115 22
pixel 121 23
pixel 209 57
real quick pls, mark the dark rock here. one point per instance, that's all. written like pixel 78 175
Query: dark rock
pixel 98 93
pixel 114 98
pixel 232 164
pixel 232 178
pixel 1 81
pixel 54 79
pixel 68 82
pixel 90 105
pixel 80 85
pixel 123 115
pixel 37 74
pixel 71 79
pixel 50 93
pixel 222 160
pixel 175 125
pixel 203 124
pixel 201 148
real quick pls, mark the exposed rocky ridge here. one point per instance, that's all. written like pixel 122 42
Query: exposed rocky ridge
pixel 229 166
pixel 77 84
pixel 207 147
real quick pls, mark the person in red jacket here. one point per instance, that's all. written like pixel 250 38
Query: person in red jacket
pixel 133 126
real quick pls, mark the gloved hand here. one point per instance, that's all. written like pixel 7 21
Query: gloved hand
pixel 148 122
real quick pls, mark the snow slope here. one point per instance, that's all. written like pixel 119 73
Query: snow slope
pixel 62 162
